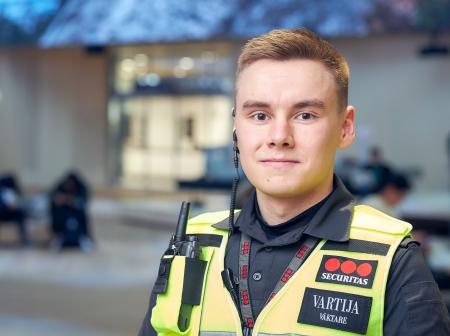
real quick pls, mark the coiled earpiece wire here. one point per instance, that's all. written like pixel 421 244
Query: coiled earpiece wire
pixel 236 177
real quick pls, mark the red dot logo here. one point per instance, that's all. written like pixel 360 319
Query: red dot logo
pixel 348 267
pixel 332 264
pixel 364 269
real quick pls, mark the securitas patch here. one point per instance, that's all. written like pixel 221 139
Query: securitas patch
pixel 346 271
pixel 335 310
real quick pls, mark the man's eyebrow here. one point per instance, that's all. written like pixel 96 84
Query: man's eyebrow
pixel 255 104
pixel 298 105
pixel 310 103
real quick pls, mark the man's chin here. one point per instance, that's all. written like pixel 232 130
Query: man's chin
pixel 276 191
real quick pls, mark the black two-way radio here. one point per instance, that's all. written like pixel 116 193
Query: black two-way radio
pixel 187 246
pixel 182 244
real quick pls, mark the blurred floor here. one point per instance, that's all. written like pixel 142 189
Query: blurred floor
pixel 104 292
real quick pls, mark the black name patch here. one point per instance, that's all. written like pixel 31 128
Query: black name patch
pixel 335 310
pixel 347 271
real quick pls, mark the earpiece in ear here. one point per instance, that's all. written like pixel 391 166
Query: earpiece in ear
pixel 233 112
pixel 235 147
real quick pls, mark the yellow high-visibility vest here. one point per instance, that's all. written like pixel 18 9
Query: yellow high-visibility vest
pixel 339 289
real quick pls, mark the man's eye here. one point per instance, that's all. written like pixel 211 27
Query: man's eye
pixel 260 116
pixel 305 116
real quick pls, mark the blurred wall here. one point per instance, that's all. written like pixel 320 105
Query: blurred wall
pixel 403 103
pixel 52 114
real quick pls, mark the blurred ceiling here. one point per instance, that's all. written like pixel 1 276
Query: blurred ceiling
pixel 105 22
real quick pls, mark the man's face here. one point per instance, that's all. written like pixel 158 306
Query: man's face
pixel 288 126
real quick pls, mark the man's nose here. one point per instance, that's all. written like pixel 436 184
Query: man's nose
pixel 280 134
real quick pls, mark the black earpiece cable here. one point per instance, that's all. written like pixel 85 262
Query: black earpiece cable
pixel 235 179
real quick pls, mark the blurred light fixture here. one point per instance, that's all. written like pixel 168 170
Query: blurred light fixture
pixel 186 63
pixel 152 79
pixel 1 96
pixel 127 65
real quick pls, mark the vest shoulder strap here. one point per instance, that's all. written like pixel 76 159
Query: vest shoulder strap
pixel 209 218
pixel 368 218
pixel 210 222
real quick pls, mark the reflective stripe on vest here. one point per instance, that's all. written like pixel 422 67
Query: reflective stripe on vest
pixel 339 290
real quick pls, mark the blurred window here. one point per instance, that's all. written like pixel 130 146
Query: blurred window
pixel 169 103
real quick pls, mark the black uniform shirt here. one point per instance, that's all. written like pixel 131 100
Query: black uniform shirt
pixel 413 304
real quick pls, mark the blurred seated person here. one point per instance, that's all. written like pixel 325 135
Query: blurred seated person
pixel 11 209
pixel 364 178
pixel 395 188
pixel 68 211
pixel 379 171
pixel 352 175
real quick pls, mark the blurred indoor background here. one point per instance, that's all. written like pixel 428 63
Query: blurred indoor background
pixel 113 111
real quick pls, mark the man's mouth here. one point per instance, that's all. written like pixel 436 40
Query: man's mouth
pixel 279 162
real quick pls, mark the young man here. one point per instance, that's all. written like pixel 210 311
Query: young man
pixel 305 259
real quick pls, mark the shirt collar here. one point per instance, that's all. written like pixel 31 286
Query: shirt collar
pixel 331 222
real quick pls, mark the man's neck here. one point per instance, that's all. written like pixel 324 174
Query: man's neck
pixel 276 210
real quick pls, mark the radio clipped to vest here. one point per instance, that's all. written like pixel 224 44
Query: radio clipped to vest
pixel 184 252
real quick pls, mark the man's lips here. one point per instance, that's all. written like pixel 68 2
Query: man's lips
pixel 279 162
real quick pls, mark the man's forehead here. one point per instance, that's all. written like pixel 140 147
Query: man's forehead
pixel 271 65
pixel 302 79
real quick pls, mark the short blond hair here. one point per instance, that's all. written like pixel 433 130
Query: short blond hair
pixel 288 44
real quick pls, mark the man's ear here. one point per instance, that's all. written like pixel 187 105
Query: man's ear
pixel 348 132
